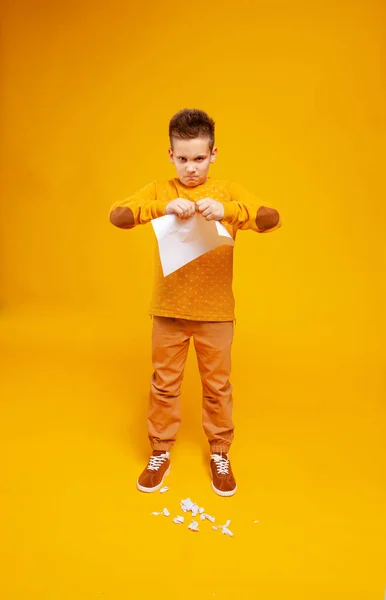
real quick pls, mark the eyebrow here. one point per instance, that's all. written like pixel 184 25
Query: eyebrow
pixel 198 156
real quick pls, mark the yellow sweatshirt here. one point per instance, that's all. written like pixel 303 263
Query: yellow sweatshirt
pixel 202 289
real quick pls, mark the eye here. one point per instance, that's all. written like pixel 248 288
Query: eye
pixel 200 158
pixel 181 158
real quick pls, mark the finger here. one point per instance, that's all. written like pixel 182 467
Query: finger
pixel 204 206
pixel 183 209
pixel 207 211
pixel 189 208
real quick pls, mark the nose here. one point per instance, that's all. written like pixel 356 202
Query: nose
pixel 190 169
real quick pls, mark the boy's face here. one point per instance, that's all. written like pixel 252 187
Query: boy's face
pixel 192 159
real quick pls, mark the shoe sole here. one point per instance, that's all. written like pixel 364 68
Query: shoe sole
pixel 224 494
pixel 141 488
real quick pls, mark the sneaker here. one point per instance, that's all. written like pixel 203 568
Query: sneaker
pixel 223 481
pixel 151 479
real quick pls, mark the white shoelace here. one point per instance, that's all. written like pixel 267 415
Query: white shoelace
pixel 156 461
pixel 222 464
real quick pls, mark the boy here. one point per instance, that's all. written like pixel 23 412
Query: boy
pixel 196 300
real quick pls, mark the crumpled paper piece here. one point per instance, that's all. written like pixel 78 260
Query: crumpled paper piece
pixel 193 526
pixel 164 512
pixel 224 529
pixel 178 520
pixel 208 517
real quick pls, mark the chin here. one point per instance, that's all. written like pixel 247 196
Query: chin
pixel 194 183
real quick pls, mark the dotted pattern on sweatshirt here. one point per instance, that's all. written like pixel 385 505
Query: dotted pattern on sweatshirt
pixel 202 289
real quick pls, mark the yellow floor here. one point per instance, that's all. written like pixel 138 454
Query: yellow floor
pixel 308 457
pixel 298 97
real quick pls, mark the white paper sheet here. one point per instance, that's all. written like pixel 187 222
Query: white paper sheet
pixel 180 242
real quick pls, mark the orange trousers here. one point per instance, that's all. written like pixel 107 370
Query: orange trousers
pixel 212 341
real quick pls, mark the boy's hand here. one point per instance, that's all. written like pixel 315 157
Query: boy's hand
pixel 210 209
pixel 184 209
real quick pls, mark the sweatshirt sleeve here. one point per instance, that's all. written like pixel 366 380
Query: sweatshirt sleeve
pixel 138 209
pixel 245 211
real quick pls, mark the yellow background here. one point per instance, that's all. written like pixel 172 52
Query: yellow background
pixel 298 94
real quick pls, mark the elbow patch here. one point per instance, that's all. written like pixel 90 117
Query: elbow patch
pixel 122 217
pixel 267 218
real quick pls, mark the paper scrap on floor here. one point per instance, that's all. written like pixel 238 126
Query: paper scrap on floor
pixel 180 242
pixel 224 529
pixel 195 510
pixel 193 526
pixel 178 520
pixel 208 517
pixel 164 512
pixel 186 505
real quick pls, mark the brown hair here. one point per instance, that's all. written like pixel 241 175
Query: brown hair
pixel 190 123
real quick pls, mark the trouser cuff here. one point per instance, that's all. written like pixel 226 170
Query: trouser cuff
pixel 165 446
pixel 218 448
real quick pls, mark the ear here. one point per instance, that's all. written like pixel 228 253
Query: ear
pixel 213 155
pixel 170 152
